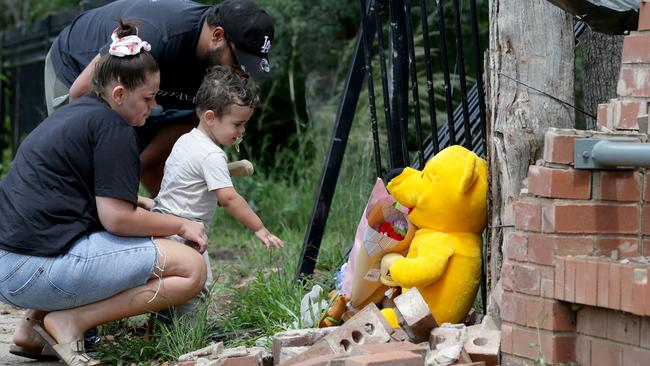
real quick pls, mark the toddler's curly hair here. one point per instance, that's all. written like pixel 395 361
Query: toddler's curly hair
pixel 221 88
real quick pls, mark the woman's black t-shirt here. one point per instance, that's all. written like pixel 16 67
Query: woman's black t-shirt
pixel 47 199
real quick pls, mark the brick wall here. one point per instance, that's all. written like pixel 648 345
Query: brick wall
pixel 576 284
pixel 564 296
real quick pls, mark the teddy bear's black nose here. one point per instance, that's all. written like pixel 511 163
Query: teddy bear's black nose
pixel 392 174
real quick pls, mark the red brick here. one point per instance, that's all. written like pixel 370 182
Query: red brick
pixel 540 249
pixel 527 279
pixel 549 314
pixel 645 250
pixel 386 359
pixel 558 348
pixel 644 16
pixel 614 301
pixel 510 360
pixel 482 345
pixel 647 296
pixel 513 308
pixel 603 284
pixel 635 356
pixel 570 279
pixel 627 281
pixel 591 283
pixel 626 113
pixel 604 116
pixel 517 246
pixel 639 291
pixel 592 321
pixel 581 285
pixel 249 360
pixel 590 218
pixel 635 49
pixel 372 348
pixel 528 216
pixel 626 247
pixel 633 82
pixel 506 337
pixel 623 327
pixel 645 333
pixel 559 183
pixel 620 186
pixel 646 187
pixel 573 245
pixel 547 281
pixel 606 353
pixel 583 351
pixel 522 340
pixel 558 147
pixel 559 278
pixel 646 220
pixel 508 276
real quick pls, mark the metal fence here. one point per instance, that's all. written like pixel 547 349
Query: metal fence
pixel 407 46
pixel 22 57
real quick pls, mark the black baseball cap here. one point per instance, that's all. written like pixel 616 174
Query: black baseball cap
pixel 250 28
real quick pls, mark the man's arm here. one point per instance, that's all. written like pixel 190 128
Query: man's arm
pixel 83 83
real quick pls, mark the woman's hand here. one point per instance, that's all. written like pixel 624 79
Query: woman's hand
pixel 269 239
pixel 145 202
pixel 195 232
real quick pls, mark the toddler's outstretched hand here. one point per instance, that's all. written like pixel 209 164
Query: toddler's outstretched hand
pixel 269 239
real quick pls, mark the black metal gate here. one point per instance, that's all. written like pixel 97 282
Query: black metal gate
pixel 22 59
pixel 399 25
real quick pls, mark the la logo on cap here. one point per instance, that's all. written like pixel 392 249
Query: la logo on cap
pixel 266 46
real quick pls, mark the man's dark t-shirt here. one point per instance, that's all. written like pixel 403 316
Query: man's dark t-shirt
pixel 172 27
pixel 47 199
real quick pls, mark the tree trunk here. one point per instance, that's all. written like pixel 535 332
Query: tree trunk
pixel 601 62
pixel 530 41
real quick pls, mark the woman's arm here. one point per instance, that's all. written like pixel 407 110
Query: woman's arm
pixel 122 218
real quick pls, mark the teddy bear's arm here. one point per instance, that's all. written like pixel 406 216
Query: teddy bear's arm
pixel 424 269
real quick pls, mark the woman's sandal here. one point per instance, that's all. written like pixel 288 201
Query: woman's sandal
pixel 40 353
pixel 72 353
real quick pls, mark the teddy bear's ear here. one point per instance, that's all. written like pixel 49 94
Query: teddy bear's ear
pixel 469 173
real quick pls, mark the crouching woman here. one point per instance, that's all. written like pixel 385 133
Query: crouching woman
pixel 76 249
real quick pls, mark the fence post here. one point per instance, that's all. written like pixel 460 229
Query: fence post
pixel 397 126
pixel 3 145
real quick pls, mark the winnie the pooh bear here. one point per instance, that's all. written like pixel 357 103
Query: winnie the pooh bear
pixel 447 202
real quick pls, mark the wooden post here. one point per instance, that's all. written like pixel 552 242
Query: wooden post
pixel 531 41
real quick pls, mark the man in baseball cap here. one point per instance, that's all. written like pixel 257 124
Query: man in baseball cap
pixel 250 29
pixel 186 38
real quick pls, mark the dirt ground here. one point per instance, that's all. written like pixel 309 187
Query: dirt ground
pixel 9 318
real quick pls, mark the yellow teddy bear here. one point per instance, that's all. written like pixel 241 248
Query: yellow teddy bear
pixel 447 203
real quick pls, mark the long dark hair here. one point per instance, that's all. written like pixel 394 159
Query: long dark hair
pixel 130 71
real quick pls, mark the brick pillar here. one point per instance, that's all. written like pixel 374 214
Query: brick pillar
pixel 559 269
pixel 633 90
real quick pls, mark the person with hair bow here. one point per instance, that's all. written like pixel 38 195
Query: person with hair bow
pixel 70 216
pixel 186 37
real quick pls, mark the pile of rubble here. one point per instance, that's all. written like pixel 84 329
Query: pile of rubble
pixel 368 339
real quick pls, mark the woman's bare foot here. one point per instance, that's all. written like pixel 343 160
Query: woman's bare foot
pixel 62 326
pixel 25 336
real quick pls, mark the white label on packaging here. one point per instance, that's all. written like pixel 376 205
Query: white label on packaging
pixel 372 275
